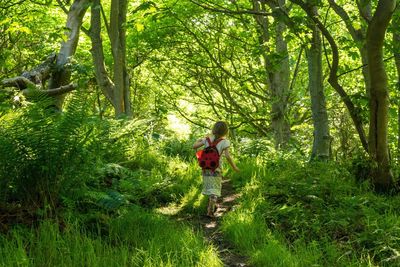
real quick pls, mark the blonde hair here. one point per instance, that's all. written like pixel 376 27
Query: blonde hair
pixel 220 129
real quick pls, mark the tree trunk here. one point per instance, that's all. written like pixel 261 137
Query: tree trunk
pixel 365 10
pixel 333 78
pixel 322 139
pixel 278 73
pixel 61 75
pixel 382 176
pixel 280 87
pixel 396 49
pixel 359 37
pixel 127 91
pixel 103 81
pixel 117 89
pixel 118 41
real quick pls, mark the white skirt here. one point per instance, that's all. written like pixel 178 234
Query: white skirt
pixel 212 185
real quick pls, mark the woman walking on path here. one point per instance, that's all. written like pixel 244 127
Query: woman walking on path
pixel 212 178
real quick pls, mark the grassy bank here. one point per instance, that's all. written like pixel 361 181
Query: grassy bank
pixel 299 214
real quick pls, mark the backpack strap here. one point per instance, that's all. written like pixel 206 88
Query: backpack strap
pixel 215 143
pixel 208 141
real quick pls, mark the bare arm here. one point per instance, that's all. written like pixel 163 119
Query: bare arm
pixel 198 143
pixel 230 160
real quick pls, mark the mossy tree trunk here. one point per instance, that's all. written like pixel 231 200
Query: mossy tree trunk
pixel 396 52
pixel 276 62
pixel 322 139
pixel 382 176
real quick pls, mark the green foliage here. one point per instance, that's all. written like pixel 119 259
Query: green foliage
pixel 173 147
pixel 183 59
pixel 313 214
pixel 45 148
pixel 145 178
pixel 54 153
pixel 137 238
pixel 256 147
pixel 29 31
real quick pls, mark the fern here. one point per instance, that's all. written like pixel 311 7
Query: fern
pixel 45 150
pixel 111 200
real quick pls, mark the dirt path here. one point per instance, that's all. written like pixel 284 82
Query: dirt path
pixel 210 227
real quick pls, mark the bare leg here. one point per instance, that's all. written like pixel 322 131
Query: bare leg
pixel 212 202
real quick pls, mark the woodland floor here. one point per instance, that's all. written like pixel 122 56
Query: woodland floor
pixel 210 227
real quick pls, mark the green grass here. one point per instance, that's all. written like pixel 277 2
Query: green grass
pixel 299 214
pixel 290 213
pixel 137 238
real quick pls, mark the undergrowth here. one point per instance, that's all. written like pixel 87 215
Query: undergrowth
pixel 77 190
pixel 293 213
pixel 135 238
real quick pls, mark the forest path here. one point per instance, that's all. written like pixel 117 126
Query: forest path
pixel 211 227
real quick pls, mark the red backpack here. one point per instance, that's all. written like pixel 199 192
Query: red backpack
pixel 208 157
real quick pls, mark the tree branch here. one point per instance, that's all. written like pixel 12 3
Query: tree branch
pixel 360 67
pixel 231 12
pixel 356 34
pixel 61 90
pixel 365 9
pixel 20 82
pixel 51 92
pixel 37 75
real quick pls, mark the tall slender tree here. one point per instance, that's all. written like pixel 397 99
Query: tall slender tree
pixel 322 139
pixel 115 89
pixel 333 77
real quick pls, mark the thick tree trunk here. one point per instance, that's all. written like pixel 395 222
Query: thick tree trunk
pixel 278 73
pixel 322 139
pixel 61 75
pixel 379 96
pixel 365 69
pixel 396 49
pixel 280 88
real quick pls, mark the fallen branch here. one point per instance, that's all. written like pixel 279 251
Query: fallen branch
pixel 51 92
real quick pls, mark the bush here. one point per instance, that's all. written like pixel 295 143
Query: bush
pixel 51 153
pixel 44 149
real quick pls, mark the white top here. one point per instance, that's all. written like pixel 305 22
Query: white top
pixel 221 146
